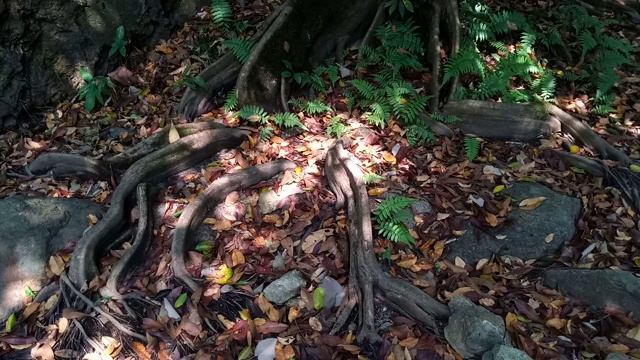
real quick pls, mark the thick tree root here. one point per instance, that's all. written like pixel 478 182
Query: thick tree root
pixel 65 165
pixel 345 179
pixel 193 215
pixel 159 165
pixel 139 246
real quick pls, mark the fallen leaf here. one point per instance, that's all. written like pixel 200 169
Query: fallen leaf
pixel 532 203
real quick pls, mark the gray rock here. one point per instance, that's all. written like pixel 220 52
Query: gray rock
pixel 31 230
pixel 269 201
pixel 527 230
pixel 503 352
pixel 473 330
pixel 620 289
pixel 616 356
pixel 284 288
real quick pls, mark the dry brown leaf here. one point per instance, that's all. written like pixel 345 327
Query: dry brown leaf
pixel 491 219
pixel 237 258
pixel 56 264
pixel 532 203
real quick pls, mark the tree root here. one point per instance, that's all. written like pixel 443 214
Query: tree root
pixel 193 215
pixel 345 179
pixel 64 278
pixel 173 158
pixel 139 246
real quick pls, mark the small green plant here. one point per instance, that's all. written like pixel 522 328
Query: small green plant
pixel 94 89
pixel 336 128
pixel 265 133
pixel 221 14
pixel 390 216
pixel 192 82
pixel 119 43
pixel 241 48
pixel 401 6
pixel 371 178
pixel 231 101
pixel 472 147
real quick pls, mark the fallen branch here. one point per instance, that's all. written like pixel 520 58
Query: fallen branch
pixel 159 165
pixel 194 213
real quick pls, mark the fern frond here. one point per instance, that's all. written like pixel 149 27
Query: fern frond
pixel 315 107
pixel 232 101
pixel 252 113
pixel 288 120
pixel 364 89
pixel 466 61
pixel 472 147
pixel 391 206
pixel 241 48
pixel 420 133
pixel 221 13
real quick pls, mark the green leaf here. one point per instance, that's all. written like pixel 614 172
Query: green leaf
pixel 29 292
pixel 286 74
pixel 12 321
pixel 86 75
pixel 318 298
pixel 297 77
pixel 120 32
pixel 180 300
pixel 245 353
pixel 204 246
pixel 177 214
pixel 90 102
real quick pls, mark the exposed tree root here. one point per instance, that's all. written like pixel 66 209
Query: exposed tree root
pixel 366 278
pixel 65 165
pixel 194 213
pixel 173 158
pixel 596 7
pixel 138 247
pixel 64 278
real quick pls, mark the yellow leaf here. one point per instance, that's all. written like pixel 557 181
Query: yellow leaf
pixel 388 157
pixel 377 191
pixel 173 134
pixel 498 188
pixel 222 275
pixel 574 149
pixel 635 168
pixel 530 204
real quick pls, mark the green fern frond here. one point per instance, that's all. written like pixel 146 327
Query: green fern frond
pixel 392 205
pixel 420 133
pixel 379 115
pixel 398 233
pixel 371 178
pixel 472 147
pixel 265 133
pixel 447 119
pixel 221 13
pixel 336 128
pixel 466 61
pixel 315 107
pixel 587 42
pixel 252 113
pixel 288 120
pixel 241 48
pixel 232 101
pixel 364 88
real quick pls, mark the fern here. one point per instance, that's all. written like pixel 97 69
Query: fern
pixel 472 147
pixel 465 61
pixel 265 133
pixel 364 88
pixel 316 107
pixel 390 215
pixel 447 119
pixel 336 128
pixel 372 178
pixel 288 120
pixel 420 133
pixel 241 48
pixel 232 101
pixel 252 113
pixel 221 13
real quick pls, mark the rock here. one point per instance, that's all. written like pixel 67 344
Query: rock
pixel 620 289
pixel 39 55
pixel 527 231
pixel 270 201
pixel 503 352
pixel 616 356
pixel 284 288
pixel 31 230
pixel 473 330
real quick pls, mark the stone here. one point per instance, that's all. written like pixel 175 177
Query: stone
pixel 527 231
pixel 616 356
pixel 617 288
pixel 32 229
pixel 473 330
pixel 270 201
pixel 503 352
pixel 284 288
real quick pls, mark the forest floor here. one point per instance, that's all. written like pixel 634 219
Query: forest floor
pixel 250 242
